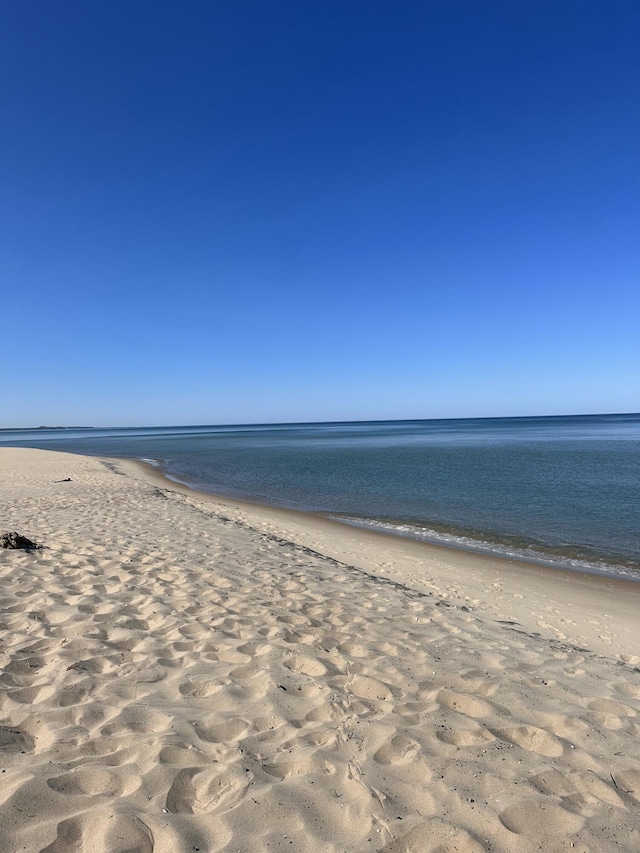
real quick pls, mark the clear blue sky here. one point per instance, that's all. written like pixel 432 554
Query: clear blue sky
pixel 248 211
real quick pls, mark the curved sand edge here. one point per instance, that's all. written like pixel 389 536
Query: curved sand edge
pixel 569 606
pixel 181 672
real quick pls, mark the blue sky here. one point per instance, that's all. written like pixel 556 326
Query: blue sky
pixel 249 212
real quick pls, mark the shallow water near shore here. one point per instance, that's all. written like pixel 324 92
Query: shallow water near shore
pixel 560 490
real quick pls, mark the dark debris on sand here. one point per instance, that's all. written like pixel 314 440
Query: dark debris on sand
pixel 16 541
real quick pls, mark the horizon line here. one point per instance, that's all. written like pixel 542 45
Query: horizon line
pixel 328 423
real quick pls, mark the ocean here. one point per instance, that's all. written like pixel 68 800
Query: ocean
pixel 563 491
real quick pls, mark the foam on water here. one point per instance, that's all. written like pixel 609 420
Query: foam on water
pixel 627 569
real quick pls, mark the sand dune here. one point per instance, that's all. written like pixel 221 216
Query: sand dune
pixel 186 674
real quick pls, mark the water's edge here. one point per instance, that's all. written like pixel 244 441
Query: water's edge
pixel 448 539
pixel 560 492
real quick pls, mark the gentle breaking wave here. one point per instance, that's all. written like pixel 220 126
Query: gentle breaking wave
pixel 572 558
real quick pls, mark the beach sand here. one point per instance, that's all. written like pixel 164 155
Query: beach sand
pixel 182 673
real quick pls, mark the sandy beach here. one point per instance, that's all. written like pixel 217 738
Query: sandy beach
pixel 185 673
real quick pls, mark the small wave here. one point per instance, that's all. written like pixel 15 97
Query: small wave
pixel 524 553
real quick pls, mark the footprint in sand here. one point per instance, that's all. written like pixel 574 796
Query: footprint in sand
pixel 180 756
pixel 367 688
pixel 199 688
pixel 24 666
pixel 130 834
pixel 632 691
pixel 13 739
pixel 463 703
pixel 576 788
pixel 435 836
pixel 401 749
pixel 299 638
pixel 222 732
pixel 138 720
pixel 611 722
pixel 593 789
pixel 552 782
pixel 299 764
pixel 465 737
pixel 93 782
pixel 254 649
pixel 321 737
pixel 610 706
pixel 306 665
pixel 69 837
pixel 612 715
pixel 244 673
pixel 532 739
pixel 356 650
pixel 70 696
pixel 570 728
pixel 31 695
pixel 98 665
pixel 203 789
pixel 474 678
pixel 230 655
pixel 535 818
pixel 324 713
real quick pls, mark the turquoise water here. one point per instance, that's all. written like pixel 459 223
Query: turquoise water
pixel 560 490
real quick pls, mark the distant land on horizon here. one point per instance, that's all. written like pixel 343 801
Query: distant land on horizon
pixel 64 427
pixel 304 423
pixel 33 429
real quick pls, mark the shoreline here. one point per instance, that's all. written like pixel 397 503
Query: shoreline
pixel 185 672
pixel 595 565
pixel 552 516
pixel 477 575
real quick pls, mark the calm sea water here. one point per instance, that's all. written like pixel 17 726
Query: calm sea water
pixel 560 490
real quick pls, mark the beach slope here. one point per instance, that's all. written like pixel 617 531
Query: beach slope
pixel 181 673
